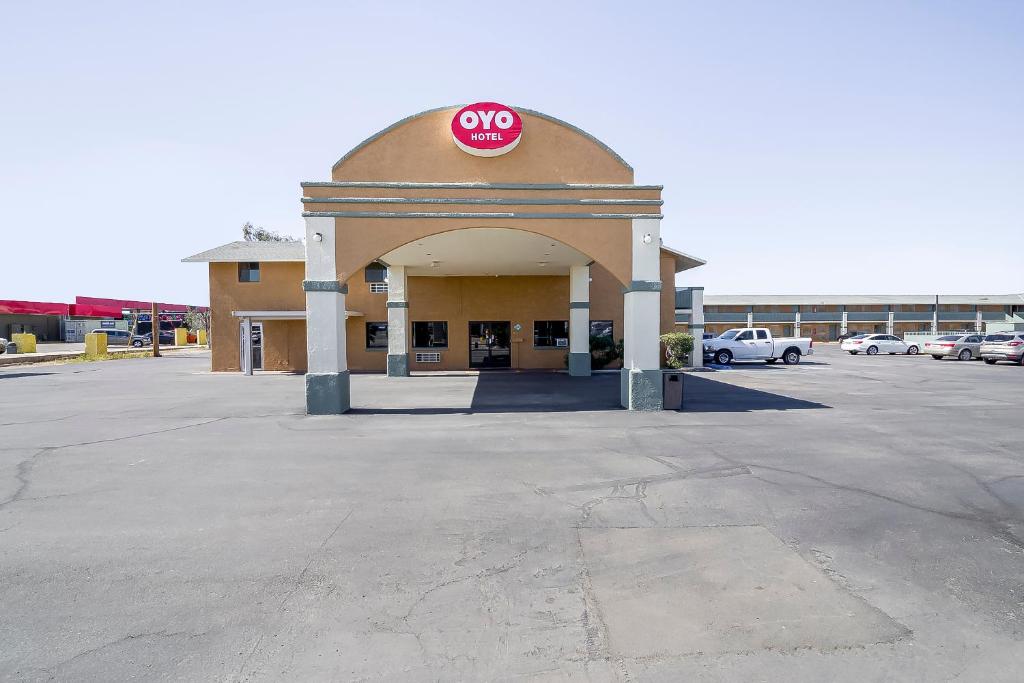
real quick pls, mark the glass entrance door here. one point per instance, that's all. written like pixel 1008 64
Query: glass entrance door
pixel 490 345
pixel 257 344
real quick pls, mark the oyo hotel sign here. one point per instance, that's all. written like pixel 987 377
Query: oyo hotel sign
pixel 487 129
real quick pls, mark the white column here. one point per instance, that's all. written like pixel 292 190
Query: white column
pixel 327 379
pixel 246 345
pixel 979 323
pixel 890 325
pixel 935 316
pixel 640 381
pixel 398 322
pixel 697 326
pixel 579 321
pixel 843 326
pixel 750 318
pixel 796 324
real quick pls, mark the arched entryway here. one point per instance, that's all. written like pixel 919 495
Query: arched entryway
pixel 410 191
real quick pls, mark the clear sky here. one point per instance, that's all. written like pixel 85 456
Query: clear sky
pixel 805 147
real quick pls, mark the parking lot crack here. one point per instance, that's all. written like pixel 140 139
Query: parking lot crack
pixel 120 641
pixel 23 475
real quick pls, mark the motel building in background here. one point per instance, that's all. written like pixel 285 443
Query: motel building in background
pixel 462 238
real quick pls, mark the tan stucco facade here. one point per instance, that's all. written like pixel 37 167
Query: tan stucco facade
pixel 410 183
pixel 279 289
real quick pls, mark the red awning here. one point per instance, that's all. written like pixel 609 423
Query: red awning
pixel 11 307
pixel 90 311
pixel 134 305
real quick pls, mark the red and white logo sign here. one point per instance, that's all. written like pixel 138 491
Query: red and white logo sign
pixel 487 129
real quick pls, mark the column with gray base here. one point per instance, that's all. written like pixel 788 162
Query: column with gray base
pixel 579 321
pixel 640 379
pixel 327 379
pixel 398 322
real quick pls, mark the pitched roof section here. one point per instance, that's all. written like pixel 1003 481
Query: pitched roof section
pixel 251 251
pixel 683 261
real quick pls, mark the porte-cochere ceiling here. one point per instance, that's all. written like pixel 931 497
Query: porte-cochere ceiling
pixel 486 251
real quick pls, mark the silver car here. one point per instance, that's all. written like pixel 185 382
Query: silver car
pixel 114 337
pixel 1003 346
pixel 959 346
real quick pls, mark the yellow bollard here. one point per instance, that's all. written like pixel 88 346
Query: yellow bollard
pixel 201 337
pixel 95 345
pixel 180 336
pixel 26 342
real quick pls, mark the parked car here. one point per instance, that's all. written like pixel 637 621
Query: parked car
pixel 115 337
pixel 872 344
pixel 3 344
pixel 756 343
pixel 852 333
pixel 959 346
pixel 166 337
pixel 1003 346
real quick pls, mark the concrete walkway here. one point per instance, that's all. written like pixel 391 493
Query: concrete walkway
pixel 48 352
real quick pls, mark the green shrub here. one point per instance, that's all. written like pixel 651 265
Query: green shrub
pixel 679 346
pixel 604 351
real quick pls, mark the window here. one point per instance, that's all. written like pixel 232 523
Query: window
pixel 429 335
pixel 376 272
pixel 745 335
pixel 551 333
pixel 762 334
pixel 376 335
pixel 378 288
pixel 249 272
pixel 602 329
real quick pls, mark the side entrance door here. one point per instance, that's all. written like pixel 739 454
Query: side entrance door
pixel 257 345
pixel 490 345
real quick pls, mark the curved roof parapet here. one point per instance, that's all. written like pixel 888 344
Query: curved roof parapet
pixel 522 110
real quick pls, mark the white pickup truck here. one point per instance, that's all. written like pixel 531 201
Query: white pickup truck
pixel 756 343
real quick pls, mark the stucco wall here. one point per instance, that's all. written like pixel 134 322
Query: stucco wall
pixel 279 289
pixel 457 300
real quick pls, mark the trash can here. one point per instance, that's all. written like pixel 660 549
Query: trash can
pixel 672 390
pixel 11 347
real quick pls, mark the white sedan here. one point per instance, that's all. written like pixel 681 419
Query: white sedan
pixel 872 344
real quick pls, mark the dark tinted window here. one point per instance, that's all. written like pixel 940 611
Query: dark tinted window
pixel 950 337
pixel 428 335
pixel 746 335
pixel 762 334
pixel 602 329
pixel 249 272
pixel 376 272
pixel 999 337
pixel 551 333
pixel 376 335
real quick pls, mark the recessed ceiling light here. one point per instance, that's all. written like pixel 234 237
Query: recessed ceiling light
pixel 542 263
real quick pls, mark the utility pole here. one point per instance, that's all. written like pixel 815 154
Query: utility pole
pixel 155 317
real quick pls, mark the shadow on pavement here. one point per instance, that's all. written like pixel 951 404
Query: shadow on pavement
pixel 12 375
pixel 703 395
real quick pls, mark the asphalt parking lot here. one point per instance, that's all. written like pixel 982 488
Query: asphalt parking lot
pixel 847 519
